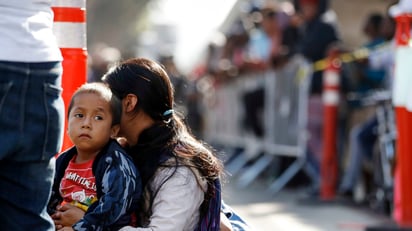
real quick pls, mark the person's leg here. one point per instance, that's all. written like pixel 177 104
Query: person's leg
pixel 354 164
pixel 361 141
pixel 315 129
pixel 312 169
pixel 315 141
pixel 253 103
pixel 27 192
pixel 368 137
pixel 31 118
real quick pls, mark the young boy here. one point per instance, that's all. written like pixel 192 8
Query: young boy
pixel 95 174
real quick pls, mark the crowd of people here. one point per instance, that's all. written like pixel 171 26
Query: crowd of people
pixel 268 36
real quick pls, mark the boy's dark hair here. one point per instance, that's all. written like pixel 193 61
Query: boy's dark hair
pixel 105 92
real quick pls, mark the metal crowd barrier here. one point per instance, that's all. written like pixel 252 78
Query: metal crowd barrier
pixel 284 121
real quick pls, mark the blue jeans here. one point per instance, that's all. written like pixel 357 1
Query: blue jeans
pixel 31 132
pixel 362 140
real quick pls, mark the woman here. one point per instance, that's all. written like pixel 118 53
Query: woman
pixel 180 175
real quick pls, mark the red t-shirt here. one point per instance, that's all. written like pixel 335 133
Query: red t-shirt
pixel 78 183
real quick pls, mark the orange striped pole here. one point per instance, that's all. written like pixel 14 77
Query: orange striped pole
pixel 402 88
pixel 70 29
pixel 330 97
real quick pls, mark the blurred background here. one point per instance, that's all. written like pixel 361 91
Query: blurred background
pixel 184 28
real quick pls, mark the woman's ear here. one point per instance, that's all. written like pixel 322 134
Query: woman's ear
pixel 129 102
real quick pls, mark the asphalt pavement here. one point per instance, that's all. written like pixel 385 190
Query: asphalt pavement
pixel 291 210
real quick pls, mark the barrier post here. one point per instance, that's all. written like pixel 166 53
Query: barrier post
pixel 330 97
pixel 402 87
pixel 70 30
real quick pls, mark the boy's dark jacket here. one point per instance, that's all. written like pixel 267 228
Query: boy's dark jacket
pixel 125 185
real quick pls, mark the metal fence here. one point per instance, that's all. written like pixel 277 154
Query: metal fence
pixel 284 121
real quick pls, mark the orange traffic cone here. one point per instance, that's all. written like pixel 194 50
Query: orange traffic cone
pixel 329 164
pixel 70 29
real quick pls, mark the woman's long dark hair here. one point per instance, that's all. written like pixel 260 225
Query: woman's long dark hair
pixel 169 137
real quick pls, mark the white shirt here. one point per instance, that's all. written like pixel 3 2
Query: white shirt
pixel 384 58
pixel 176 206
pixel 26 31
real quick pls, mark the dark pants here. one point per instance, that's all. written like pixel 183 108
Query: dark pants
pixel 253 102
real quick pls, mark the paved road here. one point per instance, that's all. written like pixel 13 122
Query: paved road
pixel 289 211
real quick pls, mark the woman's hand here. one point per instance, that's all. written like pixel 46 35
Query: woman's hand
pixel 122 141
pixel 66 229
pixel 66 216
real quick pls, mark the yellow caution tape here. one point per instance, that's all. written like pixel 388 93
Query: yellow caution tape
pixel 348 57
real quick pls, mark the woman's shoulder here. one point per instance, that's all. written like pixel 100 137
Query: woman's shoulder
pixel 180 174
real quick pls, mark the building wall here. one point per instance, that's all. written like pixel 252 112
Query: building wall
pixel 351 15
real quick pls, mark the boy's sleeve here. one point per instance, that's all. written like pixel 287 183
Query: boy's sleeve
pixel 121 188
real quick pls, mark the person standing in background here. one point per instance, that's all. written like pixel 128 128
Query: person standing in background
pixel 100 59
pixel 264 45
pixel 31 113
pixel 364 134
pixel 317 39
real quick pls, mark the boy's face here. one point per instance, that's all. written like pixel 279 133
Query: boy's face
pixel 90 123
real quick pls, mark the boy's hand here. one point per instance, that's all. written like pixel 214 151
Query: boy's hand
pixel 66 216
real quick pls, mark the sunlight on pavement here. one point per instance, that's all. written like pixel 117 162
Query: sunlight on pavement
pixel 273 217
pixel 285 211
